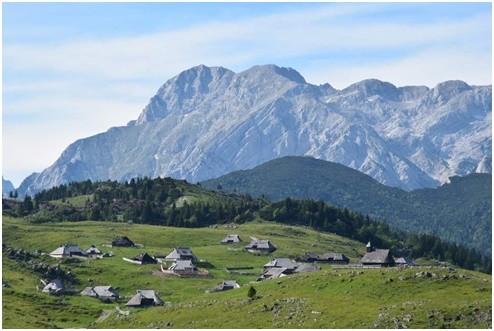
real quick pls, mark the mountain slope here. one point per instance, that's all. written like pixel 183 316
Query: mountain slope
pixel 7 187
pixel 460 211
pixel 208 121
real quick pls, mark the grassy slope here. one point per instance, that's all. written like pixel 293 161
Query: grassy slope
pixel 344 299
pixel 332 299
pixel 79 201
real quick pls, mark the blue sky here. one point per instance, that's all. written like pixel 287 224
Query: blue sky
pixel 71 70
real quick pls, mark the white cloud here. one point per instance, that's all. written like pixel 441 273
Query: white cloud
pixel 424 68
pixel 230 43
pixel 55 121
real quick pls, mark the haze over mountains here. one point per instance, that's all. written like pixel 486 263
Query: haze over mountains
pixel 209 121
pixel 7 186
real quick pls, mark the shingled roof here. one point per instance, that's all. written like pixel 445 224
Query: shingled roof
pixel 68 250
pixel 405 261
pixel 226 285
pixel 272 273
pixel 378 256
pixel 182 265
pixel 89 291
pixel 231 239
pixel 123 241
pixel 93 250
pixel 181 253
pixel 144 258
pixel 101 292
pixel 281 262
pixel 54 287
pixel 144 298
pixel 260 245
pixel 308 257
pixel 333 257
pixel 307 268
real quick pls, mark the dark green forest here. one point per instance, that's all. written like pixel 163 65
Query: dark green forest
pixel 169 202
pixel 460 211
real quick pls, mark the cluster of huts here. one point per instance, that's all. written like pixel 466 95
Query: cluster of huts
pixel 182 260
pixel 183 264
pixel 277 267
pixel 142 298
pixel 283 266
pixel 104 293
pixel 74 251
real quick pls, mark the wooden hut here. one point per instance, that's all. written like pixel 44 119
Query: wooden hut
pixel 105 293
pixel 377 257
pixel 231 239
pixel 122 241
pixel 144 298
pixel 181 253
pixel 54 287
pixel 67 250
pixel 260 246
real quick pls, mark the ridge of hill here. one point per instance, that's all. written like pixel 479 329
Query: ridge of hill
pixel 459 211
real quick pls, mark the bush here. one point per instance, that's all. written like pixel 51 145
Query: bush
pixel 252 292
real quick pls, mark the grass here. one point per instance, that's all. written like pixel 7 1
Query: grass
pixel 78 201
pixel 329 298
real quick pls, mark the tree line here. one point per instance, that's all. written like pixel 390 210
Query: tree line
pixel 169 202
pixel 343 222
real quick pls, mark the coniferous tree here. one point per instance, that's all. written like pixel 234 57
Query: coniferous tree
pixel 27 204
pixel 251 293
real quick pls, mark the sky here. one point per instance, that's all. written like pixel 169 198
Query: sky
pixel 72 70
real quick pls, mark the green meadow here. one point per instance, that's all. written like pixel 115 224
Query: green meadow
pixel 329 298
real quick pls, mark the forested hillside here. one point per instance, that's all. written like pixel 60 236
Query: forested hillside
pixel 459 212
pixel 160 201
pixel 177 203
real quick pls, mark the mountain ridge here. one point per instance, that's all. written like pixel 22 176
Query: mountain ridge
pixel 7 186
pixel 459 211
pixel 208 121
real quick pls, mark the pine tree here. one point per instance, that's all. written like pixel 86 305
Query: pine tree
pixel 252 292
pixel 27 204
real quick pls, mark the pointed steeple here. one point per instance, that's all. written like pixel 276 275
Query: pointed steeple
pixel 369 247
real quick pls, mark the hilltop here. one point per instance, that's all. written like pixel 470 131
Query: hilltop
pixel 459 211
pixel 422 297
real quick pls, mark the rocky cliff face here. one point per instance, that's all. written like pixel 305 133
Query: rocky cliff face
pixel 7 187
pixel 208 121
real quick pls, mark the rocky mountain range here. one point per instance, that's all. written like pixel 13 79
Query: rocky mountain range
pixel 7 187
pixel 209 121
